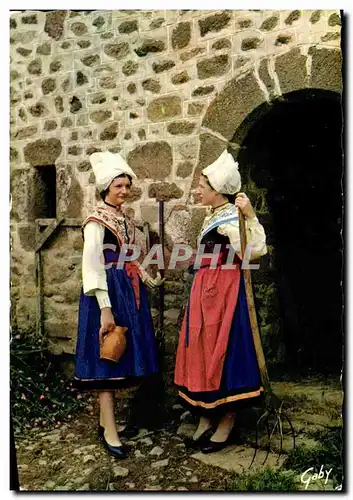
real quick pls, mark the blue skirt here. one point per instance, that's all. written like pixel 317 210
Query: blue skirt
pixel 241 381
pixel 140 358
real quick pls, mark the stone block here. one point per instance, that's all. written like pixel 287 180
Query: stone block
pixel 214 23
pixel 129 68
pixel 283 40
pixel 265 76
pixel 151 160
pixel 184 169
pixel 213 67
pixel 135 193
pixel 162 65
pixel 315 16
pixel 195 108
pixel 79 28
pixel 101 115
pixel 223 43
pixel 291 71
pixel 150 46
pixel 236 101
pixel 127 27
pixel 110 132
pixel 164 191
pixel 201 91
pixel 164 107
pixel 326 69
pixel 54 23
pixel 24 133
pixel 293 16
pixel 180 78
pixel 190 54
pixel 181 36
pixel 181 128
pixel 270 23
pixel 35 67
pixel 251 43
pixel 42 152
pixel 151 85
pixel 23 52
pixel 48 85
pixel 91 60
pixel 188 150
pixel 117 50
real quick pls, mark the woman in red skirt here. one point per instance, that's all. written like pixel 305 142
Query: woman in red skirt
pixel 216 365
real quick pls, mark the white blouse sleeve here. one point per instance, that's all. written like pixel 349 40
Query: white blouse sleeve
pixel 93 269
pixel 255 235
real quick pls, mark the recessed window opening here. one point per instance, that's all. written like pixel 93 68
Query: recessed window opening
pixel 45 192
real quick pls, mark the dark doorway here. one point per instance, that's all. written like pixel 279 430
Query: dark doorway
pixel 295 152
pixel 43 195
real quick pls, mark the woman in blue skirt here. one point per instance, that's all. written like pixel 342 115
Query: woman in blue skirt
pixel 112 295
pixel 216 365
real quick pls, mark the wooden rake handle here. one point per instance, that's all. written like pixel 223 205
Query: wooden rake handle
pixel 252 312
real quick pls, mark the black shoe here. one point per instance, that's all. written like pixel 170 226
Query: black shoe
pixel 129 431
pixel 115 451
pixel 213 446
pixel 201 440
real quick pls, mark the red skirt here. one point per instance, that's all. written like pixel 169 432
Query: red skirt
pixel 200 357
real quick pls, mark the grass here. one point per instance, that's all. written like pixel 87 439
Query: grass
pixel 329 453
pixel 265 480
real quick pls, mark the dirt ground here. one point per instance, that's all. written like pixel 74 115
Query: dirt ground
pixel 70 458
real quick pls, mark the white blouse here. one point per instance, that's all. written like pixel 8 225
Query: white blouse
pixel 93 268
pixel 255 236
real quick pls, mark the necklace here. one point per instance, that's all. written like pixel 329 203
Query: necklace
pixel 110 205
pixel 219 206
pixel 117 212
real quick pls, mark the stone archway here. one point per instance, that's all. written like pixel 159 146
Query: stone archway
pixel 229 120
pixel 291 166
pixel 256 88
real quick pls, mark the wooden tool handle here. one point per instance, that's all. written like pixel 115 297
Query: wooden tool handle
pixel 251 307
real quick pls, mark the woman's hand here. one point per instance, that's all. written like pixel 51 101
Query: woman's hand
pixel 153 282
pixel 243 203
pixel 107 322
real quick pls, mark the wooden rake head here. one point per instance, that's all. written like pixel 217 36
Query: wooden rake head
pixel 273 420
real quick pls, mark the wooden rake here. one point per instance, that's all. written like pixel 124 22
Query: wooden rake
pixel 273 405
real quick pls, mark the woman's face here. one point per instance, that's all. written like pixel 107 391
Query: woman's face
pixel 119 191
pixel 204 191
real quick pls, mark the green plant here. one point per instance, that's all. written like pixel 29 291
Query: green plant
pixel 40 393
pixel 265 480
pixel 329 454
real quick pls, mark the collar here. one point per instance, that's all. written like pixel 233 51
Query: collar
pixel 104 205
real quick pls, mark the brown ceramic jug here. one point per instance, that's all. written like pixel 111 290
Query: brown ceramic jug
pixel 113 344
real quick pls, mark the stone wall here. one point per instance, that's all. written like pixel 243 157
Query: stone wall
pixel 142 83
